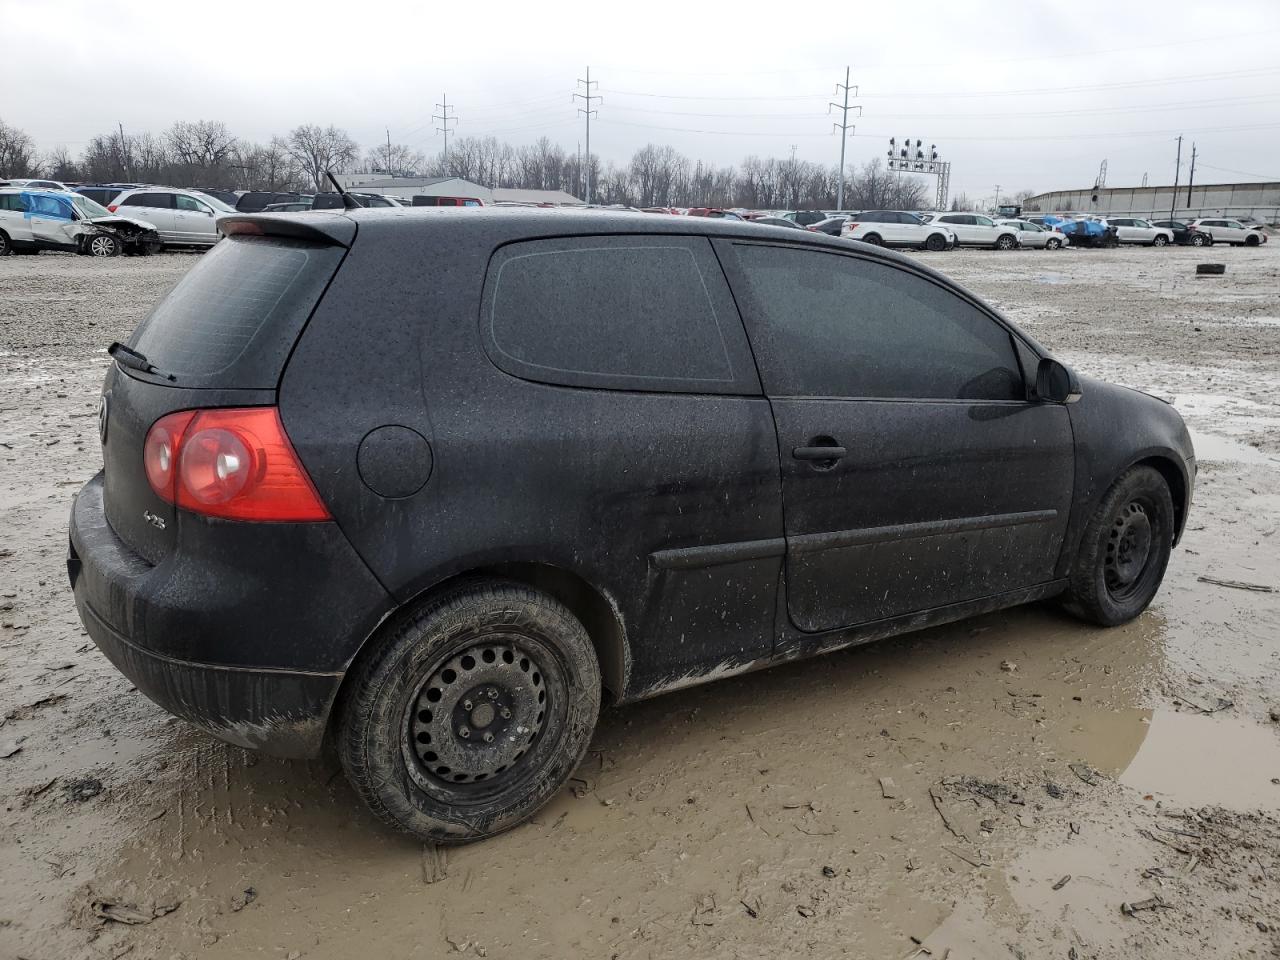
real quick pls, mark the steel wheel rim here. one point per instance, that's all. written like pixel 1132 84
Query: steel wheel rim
pixel 1131 550
pixel 476 722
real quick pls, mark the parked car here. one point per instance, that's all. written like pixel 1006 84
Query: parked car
pixel 1224 230
pixel 105 193
pixel 334 201
pixel 229 197
pixel 831 226
pixel 1137 230
pixel 26 183
pixel 895 228
pixel 184 218
pixel 287 207
pixel 977 230
pixel 1181 232
pixel 35 220
pixel 442 543
pixel 423 201
pixel 255 200
pixel 806 218
pixel 1036 237
pixel 777 222
pixel 713 212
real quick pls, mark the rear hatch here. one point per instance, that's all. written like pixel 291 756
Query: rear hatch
pixel 219 338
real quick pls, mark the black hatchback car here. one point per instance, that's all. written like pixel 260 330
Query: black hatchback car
pixel 432 484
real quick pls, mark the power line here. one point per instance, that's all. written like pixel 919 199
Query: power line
pixel 1241 173
pixel 1184 78
pixel 684 96
pixel 587 111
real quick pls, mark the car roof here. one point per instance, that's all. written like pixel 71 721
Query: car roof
pixel 499 225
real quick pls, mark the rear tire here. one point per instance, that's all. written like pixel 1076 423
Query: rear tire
pixel 873 239
pixel 1121 560
pixel 1200 240
pixel 936 241
pixel 471 713
pixel 6 247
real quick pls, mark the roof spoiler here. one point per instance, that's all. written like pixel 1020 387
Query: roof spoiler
pixel 336 231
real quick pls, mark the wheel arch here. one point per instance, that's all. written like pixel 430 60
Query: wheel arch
pixel 593 607
pixel 1177 482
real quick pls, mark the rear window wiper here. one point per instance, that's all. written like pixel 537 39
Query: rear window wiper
pixel 128 357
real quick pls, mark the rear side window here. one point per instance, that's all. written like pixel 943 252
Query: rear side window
pixel 232 320
pixel 625 313
pixel 161 200
pixel 826 325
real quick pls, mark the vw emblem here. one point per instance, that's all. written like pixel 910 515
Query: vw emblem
pixel 102 417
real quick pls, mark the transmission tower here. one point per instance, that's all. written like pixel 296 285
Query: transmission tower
pixel 445 119
pixel 588 111
pixel 844 126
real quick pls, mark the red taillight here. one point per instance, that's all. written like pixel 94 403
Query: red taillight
pixel 851 226
pixel 234 463
pixel 160 452
pixel 112 207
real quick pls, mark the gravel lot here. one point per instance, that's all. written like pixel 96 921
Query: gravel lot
pixel 1017 785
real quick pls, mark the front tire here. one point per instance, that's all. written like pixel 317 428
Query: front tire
pixel 1053 243
pixel 471 713
pixel 103 246
pixel 1006 241
pixel 6 247
pixel 1160 240
pixel 1251 241
pixel 936 241
pixel 1124 551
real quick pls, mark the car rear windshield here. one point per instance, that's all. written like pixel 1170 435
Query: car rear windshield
pixel 232 320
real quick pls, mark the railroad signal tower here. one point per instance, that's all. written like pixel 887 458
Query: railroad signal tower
pixel 909 157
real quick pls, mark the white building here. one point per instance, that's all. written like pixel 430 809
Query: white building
pixel 1261 200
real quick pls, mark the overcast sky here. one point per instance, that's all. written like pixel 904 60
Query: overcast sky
pixel 1026 95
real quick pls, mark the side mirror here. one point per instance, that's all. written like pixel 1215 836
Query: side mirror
pixel 1056 382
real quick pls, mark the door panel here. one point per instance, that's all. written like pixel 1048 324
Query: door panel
pixel 933 503
pixel 915 471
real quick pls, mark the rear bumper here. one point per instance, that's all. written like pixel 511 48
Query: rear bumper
pixel 244 630
pixel 276 711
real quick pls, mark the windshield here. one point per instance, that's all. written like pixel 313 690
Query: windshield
pixel 88 208
pixel 215 203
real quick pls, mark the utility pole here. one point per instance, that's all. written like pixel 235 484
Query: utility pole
pixel 844 126
pixel 124 158
pixel 1177 168
pixel 389 151
pixel 588 111
pixel 445 118
pixel 997 203
pixel 1192 175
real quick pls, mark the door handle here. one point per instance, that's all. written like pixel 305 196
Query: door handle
pixel 818 453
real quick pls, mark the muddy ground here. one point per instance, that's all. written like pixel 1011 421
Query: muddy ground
pixel 1018 785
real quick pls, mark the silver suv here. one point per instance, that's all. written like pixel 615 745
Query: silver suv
pixel 186 218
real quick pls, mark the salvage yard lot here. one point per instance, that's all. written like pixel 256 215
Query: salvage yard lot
pixel 1015 785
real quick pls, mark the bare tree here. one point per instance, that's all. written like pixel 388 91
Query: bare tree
pixel 60 165
pixel 395 159
pixel 318 149
pixel 17 153
pixel 201 152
